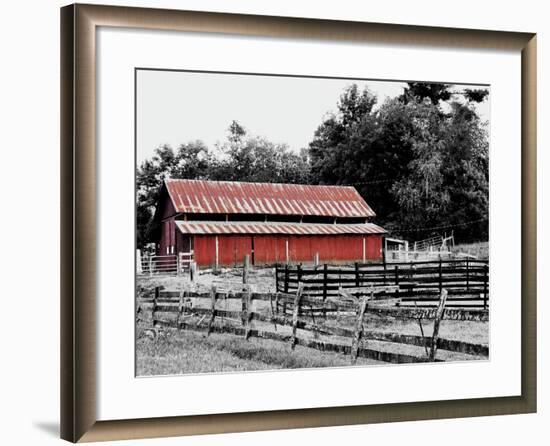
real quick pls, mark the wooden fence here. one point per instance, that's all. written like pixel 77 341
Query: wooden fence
pixel 306 320
pixel 419 283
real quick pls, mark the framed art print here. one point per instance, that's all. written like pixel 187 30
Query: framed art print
pixel 286 222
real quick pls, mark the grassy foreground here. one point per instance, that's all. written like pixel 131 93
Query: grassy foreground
pixel 183 352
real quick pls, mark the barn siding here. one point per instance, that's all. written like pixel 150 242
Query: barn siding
pixel 270 249
pixel 205 250
pixel 374 248
pixel 231 249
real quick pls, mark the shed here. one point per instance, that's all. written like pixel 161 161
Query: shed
pixel 220 222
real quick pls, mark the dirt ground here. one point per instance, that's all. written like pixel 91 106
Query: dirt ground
pixel 262 280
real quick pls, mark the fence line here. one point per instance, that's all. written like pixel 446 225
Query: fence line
pixel 420 283
pixel 297 312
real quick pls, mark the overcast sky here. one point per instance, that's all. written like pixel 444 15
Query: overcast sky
pixel 175 107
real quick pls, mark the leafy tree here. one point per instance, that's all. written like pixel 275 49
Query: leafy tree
pixel 477 95
pixel 417 165
pixel 242 157
pixel 192 160
pixel 418 91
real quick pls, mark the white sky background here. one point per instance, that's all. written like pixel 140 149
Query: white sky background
pixel 176 107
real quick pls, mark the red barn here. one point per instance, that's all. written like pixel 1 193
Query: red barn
pixel 222 221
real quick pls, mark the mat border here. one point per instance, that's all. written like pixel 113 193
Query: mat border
pixel 78 216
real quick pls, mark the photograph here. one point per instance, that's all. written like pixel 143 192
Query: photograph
pixel 298 222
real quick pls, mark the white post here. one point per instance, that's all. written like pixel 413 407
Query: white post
pixel 139 266
pixel 217 253
pixel 316 259
pixel 364 250
pixel 286 249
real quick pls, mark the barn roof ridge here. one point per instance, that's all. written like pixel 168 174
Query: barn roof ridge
pixel 347 186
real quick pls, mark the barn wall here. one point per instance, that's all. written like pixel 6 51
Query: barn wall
pixel 271 249
pixel 231 249
pixel 165 206
pixel 167 237
pixel 183 242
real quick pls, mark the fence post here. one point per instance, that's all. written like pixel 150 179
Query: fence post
pixel 178 264
pixel 246 311
pixel 325 291
pixel 357 283
pixel 397 280
pixel 286 279
pixel 246 268
pixel 155 299
pixel 316 260
pixel 273 309
pixel 440 276
pixel 139 264
pixel 295 314
pixel 243 309
pixel 180 307
pixel 192 271
pixel 358 328
pixel 485 286
pixel 213 309
pixel 150 265
pixel 437 321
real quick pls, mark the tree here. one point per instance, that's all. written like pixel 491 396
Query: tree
pixel 242 157
pixel 255 159
pixel 417 165
pixel 478 95
pixel 192 160
pixel 418 91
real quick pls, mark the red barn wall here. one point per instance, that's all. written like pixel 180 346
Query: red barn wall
pixel 167 237
pixel 231 249
pixel 270 249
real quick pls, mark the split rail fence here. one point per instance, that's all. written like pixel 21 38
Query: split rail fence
pixel 306 320
pixel 419 283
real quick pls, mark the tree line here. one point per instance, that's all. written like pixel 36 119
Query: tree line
pixel 421 160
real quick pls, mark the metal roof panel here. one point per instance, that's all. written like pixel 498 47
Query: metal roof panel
pixel 209 197
pixel 216 227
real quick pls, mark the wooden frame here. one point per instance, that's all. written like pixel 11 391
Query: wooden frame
pixel 78 216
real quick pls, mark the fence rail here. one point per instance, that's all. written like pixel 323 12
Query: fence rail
pixel 419 283
pixel 305 318
pixel 167 265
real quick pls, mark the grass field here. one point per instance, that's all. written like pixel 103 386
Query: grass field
pixel 477 249
pixel 185 352
pixel 174 352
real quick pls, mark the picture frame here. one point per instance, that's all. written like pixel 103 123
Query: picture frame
pixel 79 207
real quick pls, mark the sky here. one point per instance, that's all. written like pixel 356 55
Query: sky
pixel 175 107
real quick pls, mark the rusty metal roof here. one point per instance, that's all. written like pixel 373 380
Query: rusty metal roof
pixel 216 227
pixel 227 197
